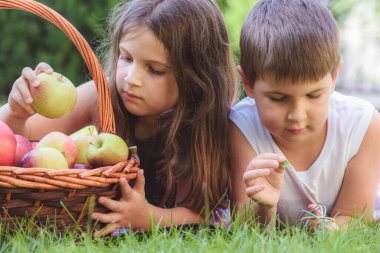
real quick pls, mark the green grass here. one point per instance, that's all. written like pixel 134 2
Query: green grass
pixel 238 238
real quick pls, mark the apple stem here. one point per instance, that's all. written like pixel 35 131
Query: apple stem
pixel 94 145
pixel 60 78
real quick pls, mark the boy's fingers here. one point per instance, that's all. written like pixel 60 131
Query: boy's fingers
pixel 253 190
pixel 251 175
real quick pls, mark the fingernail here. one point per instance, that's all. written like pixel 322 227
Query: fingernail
pixel 36 83
pixel 29 100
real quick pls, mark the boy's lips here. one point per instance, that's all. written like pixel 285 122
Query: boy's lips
pixel 296 130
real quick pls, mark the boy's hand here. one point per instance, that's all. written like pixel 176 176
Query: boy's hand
pixel 263 179
pixel 20 97
pixel 131 211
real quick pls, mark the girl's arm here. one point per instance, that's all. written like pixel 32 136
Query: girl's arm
pixel 37 126
pixel 357 195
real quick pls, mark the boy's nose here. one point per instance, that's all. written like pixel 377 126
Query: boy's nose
pixel 297 112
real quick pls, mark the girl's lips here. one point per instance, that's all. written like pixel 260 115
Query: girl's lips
pixel 131 96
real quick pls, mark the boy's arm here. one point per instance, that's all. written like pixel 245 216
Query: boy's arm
pixel 241 154
pixel 357 194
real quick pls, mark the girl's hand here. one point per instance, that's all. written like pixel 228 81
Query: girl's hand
pixel 263 179
pixel 20 97
pixel 131 211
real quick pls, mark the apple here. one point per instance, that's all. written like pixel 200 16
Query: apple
pixel 87 130
pixel 62 143
pixel 55 97
pixel 44 157
pixel 82 142
pixel 7 145
pixel 23 146
pixel 106 149
pixel 81 166
pixel 34 144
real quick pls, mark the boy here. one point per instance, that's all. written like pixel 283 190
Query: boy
pixel 289 65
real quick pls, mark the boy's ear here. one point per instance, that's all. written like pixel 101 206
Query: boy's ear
pixel 247 87
pixel 336 74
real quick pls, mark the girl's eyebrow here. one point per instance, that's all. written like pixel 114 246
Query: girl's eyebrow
pixel 154 61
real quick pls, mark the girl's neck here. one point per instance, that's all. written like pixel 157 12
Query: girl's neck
pixel 145 127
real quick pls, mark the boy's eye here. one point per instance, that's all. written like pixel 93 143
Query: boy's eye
pixel 278 99
pixel 313 96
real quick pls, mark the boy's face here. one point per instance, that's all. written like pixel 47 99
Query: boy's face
pixel 293 112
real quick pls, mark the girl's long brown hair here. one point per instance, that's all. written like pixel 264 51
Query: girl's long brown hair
pixel 195 131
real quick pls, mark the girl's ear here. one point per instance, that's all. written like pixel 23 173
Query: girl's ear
pixel 336 74
pixel 247 87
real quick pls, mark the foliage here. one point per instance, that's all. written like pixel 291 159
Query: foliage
pixel 244 237
pixel 27 39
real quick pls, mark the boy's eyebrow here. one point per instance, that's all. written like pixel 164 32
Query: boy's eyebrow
pixel 281 93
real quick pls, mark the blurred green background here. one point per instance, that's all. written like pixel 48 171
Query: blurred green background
pixel 26 39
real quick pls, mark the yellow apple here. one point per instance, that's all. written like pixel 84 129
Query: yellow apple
pixel 44 157
pixel 55 97
pixel 106 149
pixel 87 130
pixel 82 142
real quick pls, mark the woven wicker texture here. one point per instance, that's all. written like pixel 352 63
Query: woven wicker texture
pixel 62 195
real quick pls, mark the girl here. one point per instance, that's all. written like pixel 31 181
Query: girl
pixel 289 63
pixel 172 82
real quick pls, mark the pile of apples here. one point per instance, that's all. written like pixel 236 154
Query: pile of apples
pixel 82 149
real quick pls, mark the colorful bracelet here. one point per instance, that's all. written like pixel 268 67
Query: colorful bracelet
pixel 314 211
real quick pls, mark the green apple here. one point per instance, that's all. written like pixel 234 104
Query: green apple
pixel 87 130
pixel 55 97
pixel 44 157
pixel 106 149
pixel 82 142
pixel 62 143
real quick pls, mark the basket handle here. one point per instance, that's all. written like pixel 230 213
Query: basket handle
pixel 106 116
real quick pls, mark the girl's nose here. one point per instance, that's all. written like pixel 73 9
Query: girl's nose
pixel 134 75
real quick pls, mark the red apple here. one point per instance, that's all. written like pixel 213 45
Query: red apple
pixel 34 144
pixel 23 147
pixel 106 149
pixel 44 157
pixel 62 143
pixel 7 145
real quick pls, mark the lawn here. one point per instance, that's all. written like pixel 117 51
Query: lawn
pixel 238 238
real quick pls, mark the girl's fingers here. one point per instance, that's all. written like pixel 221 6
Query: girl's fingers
pixel 106 217
pixel 19 101
pixel 30 77
pixel 125 188
pixel 23 89
pixel 43 67
pixel 254 189
pixel 109 228
pixel 262 163
pixel 113 205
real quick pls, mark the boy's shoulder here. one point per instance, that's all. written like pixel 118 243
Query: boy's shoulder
pixel 244 103
pixel 341 102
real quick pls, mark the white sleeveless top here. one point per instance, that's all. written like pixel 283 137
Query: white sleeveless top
pixel 348 120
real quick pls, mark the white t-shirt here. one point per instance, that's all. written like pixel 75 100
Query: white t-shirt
pixel 348 120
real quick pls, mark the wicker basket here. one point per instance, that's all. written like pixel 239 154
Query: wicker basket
pixel 63 196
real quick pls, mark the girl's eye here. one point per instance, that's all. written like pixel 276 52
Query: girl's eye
pixel 156 71
pixel 125 58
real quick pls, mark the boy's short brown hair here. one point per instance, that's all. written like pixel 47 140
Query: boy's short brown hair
pixel 291 40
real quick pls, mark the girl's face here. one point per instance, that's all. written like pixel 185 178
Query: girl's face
pixel 144 76
pixel 293 113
